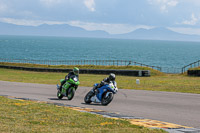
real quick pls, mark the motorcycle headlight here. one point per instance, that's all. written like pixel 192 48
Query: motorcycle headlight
pixel 75 79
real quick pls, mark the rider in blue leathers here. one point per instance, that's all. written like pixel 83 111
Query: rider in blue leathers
pixel 110 78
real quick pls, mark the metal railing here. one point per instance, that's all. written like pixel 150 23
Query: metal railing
pixel 102 63
pixel 191 65
pixel 81 62
pixel 171 70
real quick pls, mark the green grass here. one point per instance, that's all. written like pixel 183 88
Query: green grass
pixel 166 82
pixel 27 116
pixel 153 71
pixel 195 68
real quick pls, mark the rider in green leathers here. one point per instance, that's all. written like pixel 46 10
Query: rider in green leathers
pixel 67 77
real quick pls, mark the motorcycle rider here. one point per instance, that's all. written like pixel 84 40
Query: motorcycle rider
pixel 110 78
pixel 67 77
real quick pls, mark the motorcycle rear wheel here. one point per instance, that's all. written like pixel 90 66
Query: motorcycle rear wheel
pixel 106 100
pixel 88 97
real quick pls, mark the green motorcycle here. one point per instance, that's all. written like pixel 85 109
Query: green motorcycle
pixel 69 88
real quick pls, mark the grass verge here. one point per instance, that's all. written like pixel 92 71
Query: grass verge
pixel 195 68
pixel 153 71
pixel 167 82
pixel 29 116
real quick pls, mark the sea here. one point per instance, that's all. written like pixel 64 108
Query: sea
pixel 151 52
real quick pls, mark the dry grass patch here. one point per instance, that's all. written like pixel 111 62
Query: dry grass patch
pixel 27 116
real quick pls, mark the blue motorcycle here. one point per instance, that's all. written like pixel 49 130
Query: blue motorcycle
pixel 103 95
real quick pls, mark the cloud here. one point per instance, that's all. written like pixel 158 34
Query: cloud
pixel 27 22
pixel 194 2
pixel 108 27
pixel 172 3
pixel 193 20
pixel 3 7
pixel 90 4
pixel 50 2
pixel 164 4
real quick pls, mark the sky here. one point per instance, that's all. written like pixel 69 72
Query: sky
pixel 113 16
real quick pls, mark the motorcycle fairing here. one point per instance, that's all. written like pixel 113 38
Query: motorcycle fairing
pixel 102 90
pixel 95 99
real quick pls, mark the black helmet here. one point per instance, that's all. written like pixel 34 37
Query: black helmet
pixel 112 77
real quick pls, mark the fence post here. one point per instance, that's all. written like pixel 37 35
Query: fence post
pixel 160 69
pixel 83 62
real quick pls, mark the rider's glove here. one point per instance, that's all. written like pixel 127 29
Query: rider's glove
pixel 101 84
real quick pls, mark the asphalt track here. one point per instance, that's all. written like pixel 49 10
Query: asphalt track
pixel 178 108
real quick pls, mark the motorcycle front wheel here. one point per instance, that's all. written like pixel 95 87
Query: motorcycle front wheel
pixel 106 100
pixel 59 95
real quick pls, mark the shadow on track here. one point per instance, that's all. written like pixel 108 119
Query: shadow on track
pixel 95 104
pixel 58 99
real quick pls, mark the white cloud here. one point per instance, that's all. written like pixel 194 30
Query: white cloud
pixel 194 2
pixel 50 2
pixel 172 3
pixel 110 28
pixel 193 20
pixel 164 4
pixel 90 4
pixel 29 22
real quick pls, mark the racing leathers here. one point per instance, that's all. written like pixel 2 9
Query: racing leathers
pixel 67 77
pixel 103 82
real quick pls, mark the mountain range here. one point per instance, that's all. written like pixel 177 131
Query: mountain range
pixel 65 30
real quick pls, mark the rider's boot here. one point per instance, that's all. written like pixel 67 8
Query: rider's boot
pixel 60 88
pixel 62 83
pixel 94 89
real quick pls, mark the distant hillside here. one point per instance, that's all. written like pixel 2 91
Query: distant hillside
pixel 158 34
pixel 49 30
pixel 72 31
